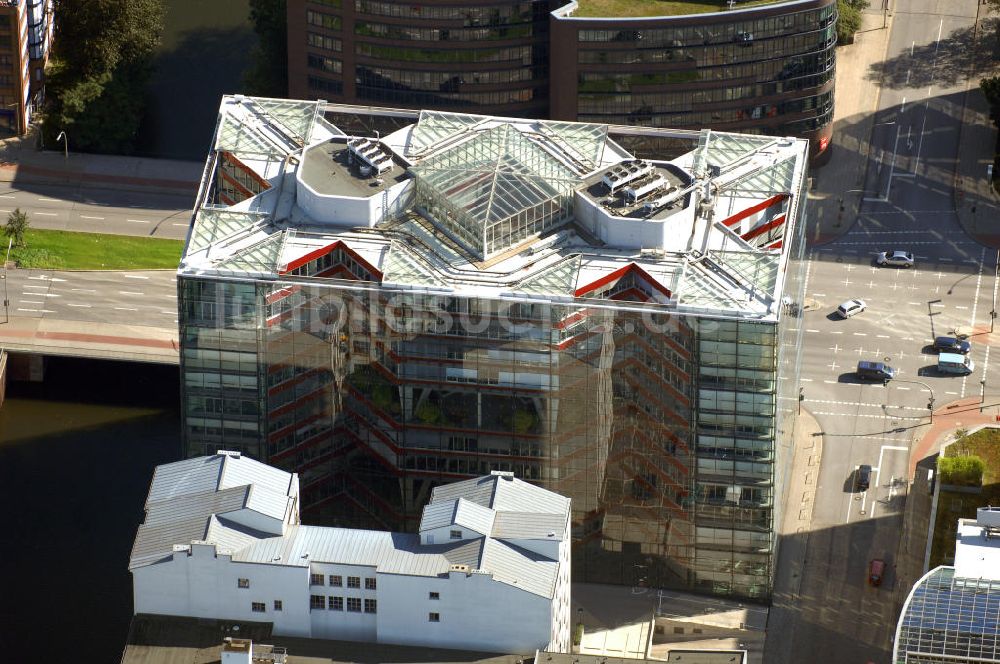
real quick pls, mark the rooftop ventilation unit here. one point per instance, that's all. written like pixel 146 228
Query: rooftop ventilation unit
pixel 621 174
pixel 370 153
pixel 634 194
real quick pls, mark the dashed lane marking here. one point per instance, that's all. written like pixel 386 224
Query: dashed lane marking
pixel 70 304
pixel 84 216
pixel 135 276
pixel 47 214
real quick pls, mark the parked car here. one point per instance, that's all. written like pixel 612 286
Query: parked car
pixel 876 569
pixel 955 363
pixel 851 308
pixel 875 371
pixel 895 258
pixel 951 345
pixel 864 477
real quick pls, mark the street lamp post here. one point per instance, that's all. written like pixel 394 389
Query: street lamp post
pixel 62 137
pixel 930 402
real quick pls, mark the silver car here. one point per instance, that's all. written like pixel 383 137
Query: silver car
pixel 851 308
pixel 895 258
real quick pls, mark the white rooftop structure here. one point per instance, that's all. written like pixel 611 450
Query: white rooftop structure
pixel 458 203
pixel 977 545
pixel 219 528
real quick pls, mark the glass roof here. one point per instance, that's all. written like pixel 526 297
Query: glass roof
pixel 759 269
pixel 258 258
pixel 719 148
pixel 492 177
pixel 698 289
pixel 401 267
pixel 583 142
pixel 955 617
pixel 213 224
pixel 764 183
pixel 297 118
pixel 558 279
pixel 239 138
pixel 435 126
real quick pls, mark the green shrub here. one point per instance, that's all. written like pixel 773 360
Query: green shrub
pixel 849 21
pixel 428 412
pixel 961 471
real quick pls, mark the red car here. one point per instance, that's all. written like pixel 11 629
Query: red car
pixel 876 568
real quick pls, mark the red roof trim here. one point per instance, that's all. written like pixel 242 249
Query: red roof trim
pixel 618 274
pixel 322 251
pixel 763 205
pixel 763 228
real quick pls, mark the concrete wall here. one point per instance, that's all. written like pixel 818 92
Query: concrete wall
pixel 352 211
pixel 345 625
pixel 476 613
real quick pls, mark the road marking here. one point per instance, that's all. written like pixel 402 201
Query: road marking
pixel 125 309
pixel 860 403
pixel 184 225
pixel 38 311
pixel 32 286
pixel 51 200
pixel 70 304
pixel 830 382
pixel 139 221
pixel 6 196
pixel 882 336
pixel 134 276
pixel 83 216
pixel 171 312
pixel 804 380
pixel 126 292
pixel 812 330
pixel 860 334
pixel 83 290
pixel 47 214
pixel 903 388
pixel 958 307
pixel 836 332
pixel 31 302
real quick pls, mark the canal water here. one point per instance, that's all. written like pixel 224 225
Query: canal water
pixel 76 456
pixel 204 51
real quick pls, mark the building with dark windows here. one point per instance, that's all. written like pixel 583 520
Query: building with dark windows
pixel 387 314
pixel 762 67
pixel 952 613
pixel 25 40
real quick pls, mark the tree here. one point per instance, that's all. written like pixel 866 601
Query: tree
pixel 991 90
pixel 98 72
pixel 17 225
pixel 849 19
pixel 267 75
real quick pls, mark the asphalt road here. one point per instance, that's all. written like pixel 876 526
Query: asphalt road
pixel 138 298
pixel 831 614
pixel 99 209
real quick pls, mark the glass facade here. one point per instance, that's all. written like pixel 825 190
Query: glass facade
pixel 949 619
pixel 665 430
pixel 502 315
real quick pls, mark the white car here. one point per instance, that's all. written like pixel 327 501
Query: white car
pixel 895 258
pixel 851 308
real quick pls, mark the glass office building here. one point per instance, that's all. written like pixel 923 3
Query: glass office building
pixel 952 614
pixel 761 67
pixel 471 293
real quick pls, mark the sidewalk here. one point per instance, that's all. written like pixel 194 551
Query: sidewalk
pixel 976 201
pixel 108 341
pixel 21 162
pixel 837 183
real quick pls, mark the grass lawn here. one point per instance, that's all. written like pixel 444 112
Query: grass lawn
pixel 596 8
pixel 954 505
pixel 68 250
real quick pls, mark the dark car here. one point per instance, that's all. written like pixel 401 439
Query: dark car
pixel 864 477
pixel 952 345
pixel 876 569
pixel 875 371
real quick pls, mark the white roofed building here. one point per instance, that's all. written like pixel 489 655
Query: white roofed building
pixel 489 570
pixel 611 313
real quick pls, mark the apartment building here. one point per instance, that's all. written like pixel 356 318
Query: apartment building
pixel 25 40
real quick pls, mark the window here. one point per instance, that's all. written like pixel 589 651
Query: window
pixel 354 604
pixel 369 583
pixel 434 617
pixel 456 534
pixel 316 579
pixel 370 606
pixel 277 605
pixel 354 582
pixel 242 583
pixel 257 607
pixel 317 602
pixel 336 581
pixel 433 595
pixel 336 603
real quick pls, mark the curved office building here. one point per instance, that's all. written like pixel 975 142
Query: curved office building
pixel 479 57
pixel 765 69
